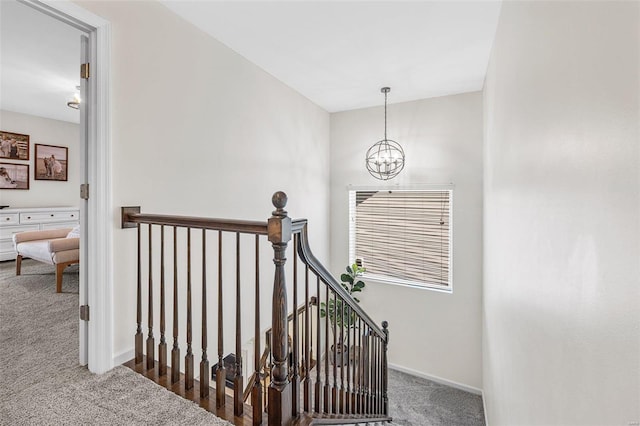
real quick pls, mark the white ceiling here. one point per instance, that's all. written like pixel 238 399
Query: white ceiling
pixel 340 53
pixel 39 63
pixel 336 53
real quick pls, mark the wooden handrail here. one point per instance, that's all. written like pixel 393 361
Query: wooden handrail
pixel 130 219
pixel 304 250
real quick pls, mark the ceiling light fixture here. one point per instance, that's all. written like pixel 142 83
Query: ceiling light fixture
pixel 385 159
pixel 75 101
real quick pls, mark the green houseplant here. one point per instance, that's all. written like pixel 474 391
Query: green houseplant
pixel 342 319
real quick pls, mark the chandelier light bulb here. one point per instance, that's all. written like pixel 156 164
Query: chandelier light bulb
pixel 75 101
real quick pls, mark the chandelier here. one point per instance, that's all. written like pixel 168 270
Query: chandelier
pixel 74 102
pixel 385 159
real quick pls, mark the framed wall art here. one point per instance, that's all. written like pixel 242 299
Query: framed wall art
pixel 14 146
pixel 14 176
pixel 51 162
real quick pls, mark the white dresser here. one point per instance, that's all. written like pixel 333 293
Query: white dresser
pixel 13 221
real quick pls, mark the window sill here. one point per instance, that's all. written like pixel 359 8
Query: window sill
pixel 378 280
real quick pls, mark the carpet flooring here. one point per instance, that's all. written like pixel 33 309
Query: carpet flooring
pixel 414 401
pixel 42 383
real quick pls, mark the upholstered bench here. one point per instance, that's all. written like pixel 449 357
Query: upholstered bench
pixel 59 247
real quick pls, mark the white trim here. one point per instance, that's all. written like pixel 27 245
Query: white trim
pixel 351 193
pixel 436 379
pixel 83 293
pixel 73 11
pixel 100 214
pixel 377 279
pixel 405 187
pixel 123 357
pixel 484 408
pixel 100 209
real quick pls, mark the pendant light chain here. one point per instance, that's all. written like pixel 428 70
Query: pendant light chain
pixel 385 115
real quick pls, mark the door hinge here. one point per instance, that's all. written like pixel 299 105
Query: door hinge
pixel 84 312
pixel 84 71
pixel 84 191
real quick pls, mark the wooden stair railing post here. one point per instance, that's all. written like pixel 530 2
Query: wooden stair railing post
pixel 345 351
pixel 204 363
pixel 385 374
pixel 327 389
pixel 162 347
pixel 175 351
pixel 360 408
pixel 334 388
pixel 319 387
pixel 221 372
pixel 306 383
pixel 138 341
pixel 188 358
pixel 279 232
pixel 150 340
pixel 295 376
pixel 238 385
pixel 367 369
pixel 256 390
pixel 347 405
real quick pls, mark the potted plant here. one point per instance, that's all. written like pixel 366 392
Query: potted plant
pixel 342 319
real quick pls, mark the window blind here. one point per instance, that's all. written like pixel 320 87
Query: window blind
pixel 402 235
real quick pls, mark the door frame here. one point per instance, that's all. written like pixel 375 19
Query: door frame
pixel 97 218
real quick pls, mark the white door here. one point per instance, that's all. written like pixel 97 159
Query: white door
pixel 84 178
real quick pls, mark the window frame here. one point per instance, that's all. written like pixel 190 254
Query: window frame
pixel 351 196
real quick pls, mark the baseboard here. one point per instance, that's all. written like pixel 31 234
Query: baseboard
pixel 437 379
pixel 484 407
pixel 123 357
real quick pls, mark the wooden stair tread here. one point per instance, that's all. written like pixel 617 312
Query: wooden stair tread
pixel 338 419
pixel 193 394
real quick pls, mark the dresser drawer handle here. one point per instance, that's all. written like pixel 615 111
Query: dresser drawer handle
pixel 51 215
pixel 72 215
pixel 28 217
pixel 8 218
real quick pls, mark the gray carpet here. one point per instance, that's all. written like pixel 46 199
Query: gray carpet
pixel 419 402
pixel 42 383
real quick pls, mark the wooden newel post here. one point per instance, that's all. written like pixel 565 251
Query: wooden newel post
pixel 279 230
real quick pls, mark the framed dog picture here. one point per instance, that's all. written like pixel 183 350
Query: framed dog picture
pixel 52 162
pixel 14 176
pixel 14 146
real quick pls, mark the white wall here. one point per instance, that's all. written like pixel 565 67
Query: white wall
pixel 199 130
pixel 43 193
pixel 432 333
pixel 561 248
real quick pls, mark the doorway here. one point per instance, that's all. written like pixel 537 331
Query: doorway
pixel 95 287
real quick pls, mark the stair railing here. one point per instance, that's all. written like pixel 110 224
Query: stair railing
pixel 352 382
pixel 348 378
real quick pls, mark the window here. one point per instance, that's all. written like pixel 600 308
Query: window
pixel 402 236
